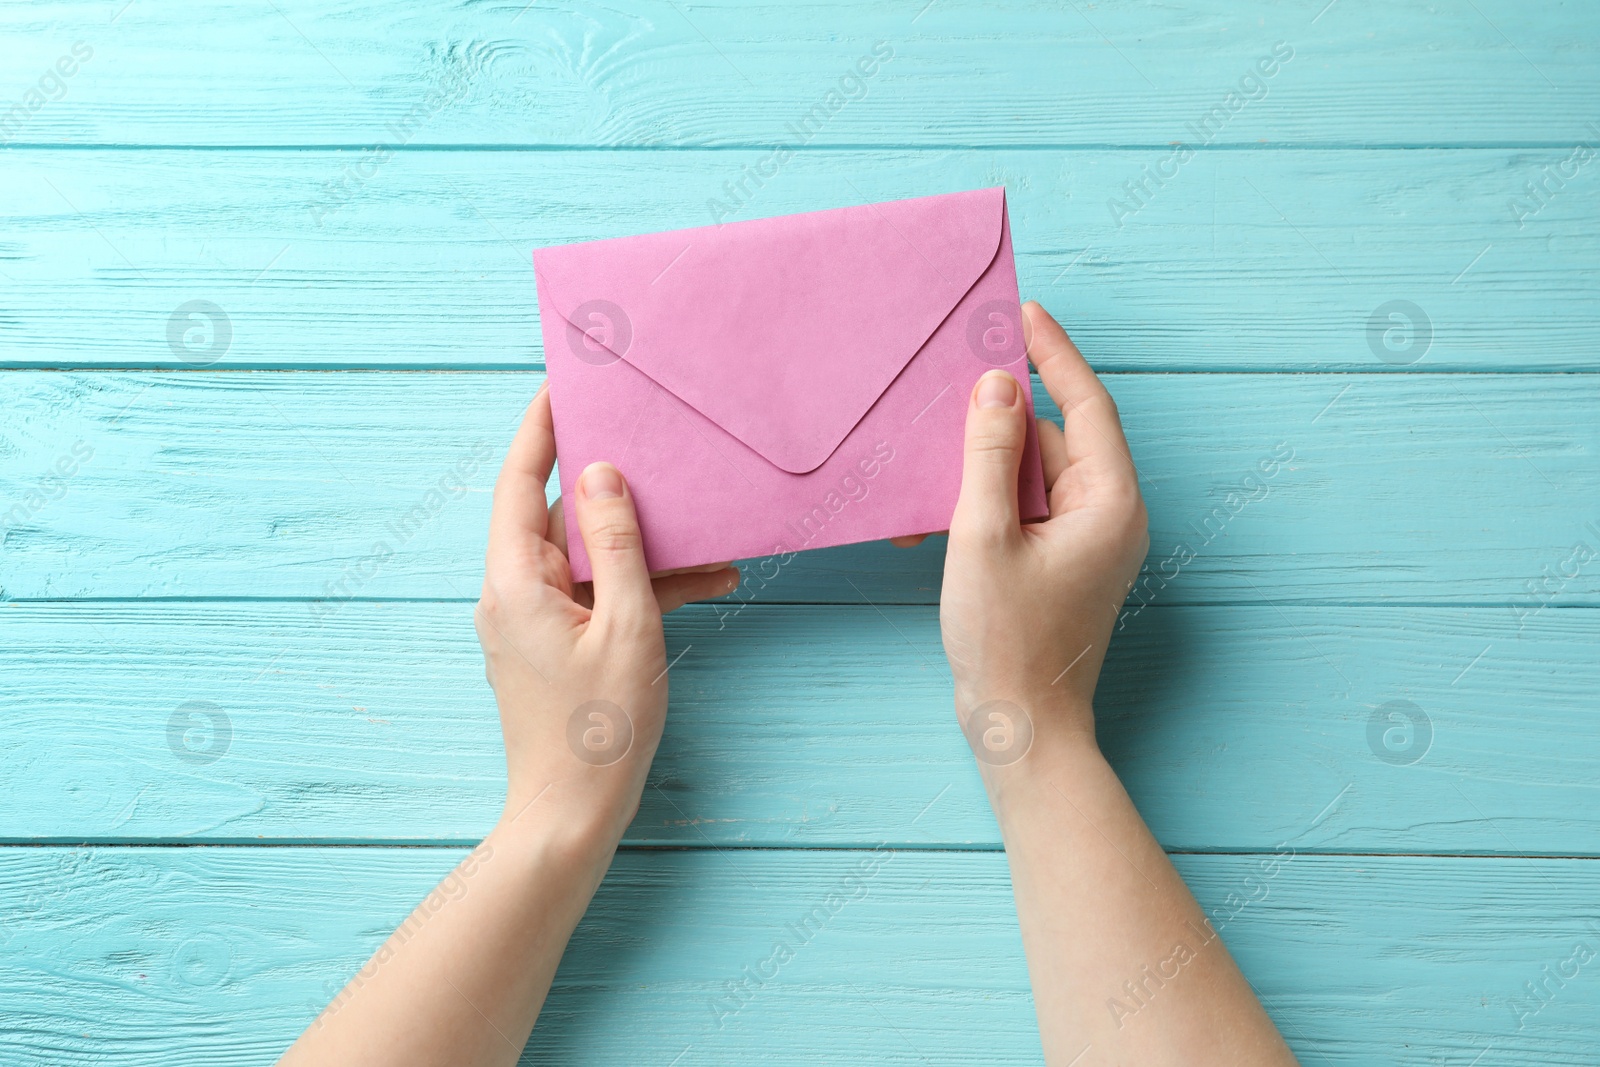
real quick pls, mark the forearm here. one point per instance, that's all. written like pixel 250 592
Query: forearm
pixel 461 981
pixel 578 672
pixel 1121 957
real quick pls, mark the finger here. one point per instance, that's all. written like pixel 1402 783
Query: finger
pixel 610 530
pixel 908 541
pixel 557 535
pixel 1092 428
pixel 996 432
pixel 676 594
pixel 1052 450
pixel 518 519
pixel 704 568
pixel 556 526
pixel 676 590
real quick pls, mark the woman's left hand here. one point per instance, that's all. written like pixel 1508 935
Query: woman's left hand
pixel 578 671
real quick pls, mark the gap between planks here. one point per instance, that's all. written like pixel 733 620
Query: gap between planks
pixel 759 146
pixel 439 846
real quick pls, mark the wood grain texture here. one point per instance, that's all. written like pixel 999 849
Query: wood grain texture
pixel 1252 260
pixel 220 956
pixel 1444 489
pixel 203 542
pixel 649 72
pixel 1235 728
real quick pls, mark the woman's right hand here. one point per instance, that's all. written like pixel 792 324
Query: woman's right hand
pixel 1027 610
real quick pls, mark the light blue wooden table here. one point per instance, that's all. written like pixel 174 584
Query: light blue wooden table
pixel 243 725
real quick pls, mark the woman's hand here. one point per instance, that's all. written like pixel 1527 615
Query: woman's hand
pixel 580 677
pixel 578 671
pixel 1026 614
pixel 1027 610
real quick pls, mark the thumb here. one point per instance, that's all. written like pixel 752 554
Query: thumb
pixel 996 432
pixel 610 531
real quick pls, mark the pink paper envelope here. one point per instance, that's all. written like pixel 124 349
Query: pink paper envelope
pixel 783 384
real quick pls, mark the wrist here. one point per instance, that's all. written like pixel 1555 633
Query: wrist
pixel 1007 728
pixel 579 820
pixel 1062 760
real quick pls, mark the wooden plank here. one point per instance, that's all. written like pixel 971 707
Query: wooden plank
pixel 309 485
pixel 220 956
pixel 1254 260
pixel 1235 728
pixel 648 72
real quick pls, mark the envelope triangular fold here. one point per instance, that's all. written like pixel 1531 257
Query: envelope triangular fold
pixel 783 331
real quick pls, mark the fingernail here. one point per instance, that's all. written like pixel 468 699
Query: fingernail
pixel 1027 329
pixel 601 481
pixel 997 390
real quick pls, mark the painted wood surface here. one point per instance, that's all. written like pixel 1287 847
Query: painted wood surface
pixel 1441 489
pixel 663 73
pixel 204 194
pixel 1270 260
pixel 220 956
pixel 1235 728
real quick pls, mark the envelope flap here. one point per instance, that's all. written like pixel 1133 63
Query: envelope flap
pixel 782 331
